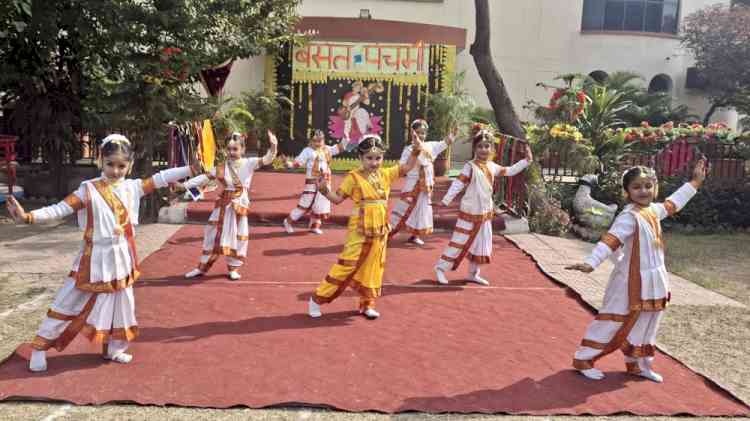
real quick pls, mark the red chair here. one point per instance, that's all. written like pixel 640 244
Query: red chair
pixel 8 159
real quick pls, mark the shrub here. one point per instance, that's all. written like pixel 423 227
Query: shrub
pixel 712 207
pixel 547 215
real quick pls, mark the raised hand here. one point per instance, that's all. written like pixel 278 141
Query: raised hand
pixel 417 142
pixel 699 172
pixel 582 267
pixel 452 136
pixel 16 210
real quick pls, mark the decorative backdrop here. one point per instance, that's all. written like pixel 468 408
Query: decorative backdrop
pixel 359 88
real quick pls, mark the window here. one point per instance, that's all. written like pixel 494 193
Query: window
pixel 660 16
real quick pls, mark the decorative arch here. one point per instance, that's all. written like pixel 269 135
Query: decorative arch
pixel 660 83
pixel 599 75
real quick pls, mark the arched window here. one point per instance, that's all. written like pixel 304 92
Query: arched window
pixel 599 75
pixel 631 15
pixel 660 83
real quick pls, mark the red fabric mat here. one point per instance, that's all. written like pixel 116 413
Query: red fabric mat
pixel 273 195
pixel 217 343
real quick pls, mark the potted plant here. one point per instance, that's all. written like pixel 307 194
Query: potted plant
pixel 251 114
pixel 265 111
pixel 449 109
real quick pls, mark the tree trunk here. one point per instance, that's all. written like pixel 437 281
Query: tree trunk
pixel 56 166
pixel 153 202
pixel 505 114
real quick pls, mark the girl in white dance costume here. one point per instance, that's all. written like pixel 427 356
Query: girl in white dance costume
pixel 227 232
pixel 316 158
pixel 413 211
pixel 472 237
pixel 97 296
pixel 638 289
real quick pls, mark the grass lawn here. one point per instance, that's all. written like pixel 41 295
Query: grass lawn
pixel 713 340
pixel 719 262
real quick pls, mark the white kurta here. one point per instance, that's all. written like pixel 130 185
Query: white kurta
pixel 97 297
pixel 413 210
pixel 227 232
pixel 638 288
pixel 472 237
pixel 317 163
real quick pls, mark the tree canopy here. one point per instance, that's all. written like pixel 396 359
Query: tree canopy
pixel 59 60
pixel 719 38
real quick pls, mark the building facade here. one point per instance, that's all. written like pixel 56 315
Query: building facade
pixel 532 41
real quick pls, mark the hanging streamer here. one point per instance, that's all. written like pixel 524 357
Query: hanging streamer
pixel 208 145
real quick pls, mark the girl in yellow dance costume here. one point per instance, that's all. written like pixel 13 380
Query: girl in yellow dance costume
pixel 362 262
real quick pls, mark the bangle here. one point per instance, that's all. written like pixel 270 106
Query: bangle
pixel 29 218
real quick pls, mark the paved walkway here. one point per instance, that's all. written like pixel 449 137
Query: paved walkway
pixel 41 256
pixel 51 250
pixel 552 254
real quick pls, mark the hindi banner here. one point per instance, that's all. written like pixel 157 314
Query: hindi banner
pixel 320 61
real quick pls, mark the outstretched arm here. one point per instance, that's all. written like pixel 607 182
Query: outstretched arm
pixel 200 180
pixel 677 200
pixel 458 185
pixel 67 206
pixel 173 175
pixel 623 227
pixel 324 188
pixel 439 147
pixel 164 178
pixel 520 165
pixel 299 161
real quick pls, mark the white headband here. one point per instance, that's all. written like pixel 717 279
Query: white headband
pixel 422 122
pixel 115 138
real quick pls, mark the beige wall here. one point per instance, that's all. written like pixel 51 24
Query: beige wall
pixel 532 41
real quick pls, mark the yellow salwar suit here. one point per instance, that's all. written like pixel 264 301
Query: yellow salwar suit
pixel 361 263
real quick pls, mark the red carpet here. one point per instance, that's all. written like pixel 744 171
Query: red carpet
pixel 274 194
pixel 215 343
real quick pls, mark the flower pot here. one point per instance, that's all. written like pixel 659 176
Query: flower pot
pixel 442 165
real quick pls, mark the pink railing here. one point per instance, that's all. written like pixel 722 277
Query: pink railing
pixel 511 190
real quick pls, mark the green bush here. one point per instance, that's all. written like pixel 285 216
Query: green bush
pixel 547 216
pixel 712 207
